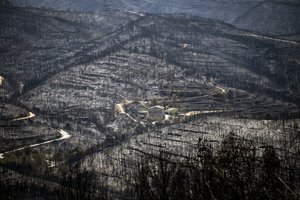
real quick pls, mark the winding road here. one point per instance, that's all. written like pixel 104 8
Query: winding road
pixel 1 80
pixel 29 116
pixel 64 135
pixel 269 38
pixel 223 91
pixel 193 113
pixel 119 108
pixel 136 13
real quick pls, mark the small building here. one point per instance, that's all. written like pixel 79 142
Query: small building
pixel 172 111
pixel 136 109
pixel 156 113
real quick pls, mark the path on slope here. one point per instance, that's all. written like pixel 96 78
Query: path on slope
pixel 269 38
pixel 29 116
pixel 64 135
pixel 1 80
pixel 119 108
pixel 223 91
pixel 192 113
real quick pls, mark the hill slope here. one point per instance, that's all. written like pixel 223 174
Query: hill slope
pixel 267 17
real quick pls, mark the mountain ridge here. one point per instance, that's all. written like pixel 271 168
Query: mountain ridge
pixel 282 18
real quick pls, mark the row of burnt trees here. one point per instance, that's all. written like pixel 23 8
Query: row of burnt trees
pixel 73 182
pixel 235 170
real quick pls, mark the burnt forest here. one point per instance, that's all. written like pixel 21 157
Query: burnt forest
pixel 150 100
